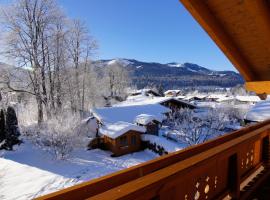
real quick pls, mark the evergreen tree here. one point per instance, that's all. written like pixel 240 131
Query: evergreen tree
pixel 2 126
pixel 12 135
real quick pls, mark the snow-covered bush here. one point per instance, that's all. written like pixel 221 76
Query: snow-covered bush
pixel 57 136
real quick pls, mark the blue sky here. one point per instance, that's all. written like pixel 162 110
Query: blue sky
pixel 148 30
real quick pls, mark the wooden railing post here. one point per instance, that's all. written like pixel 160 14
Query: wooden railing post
pixel 266 150
pixel 234 176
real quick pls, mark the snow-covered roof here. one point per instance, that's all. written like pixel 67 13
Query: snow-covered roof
pixel 142 92
pixel 200 96
pixel 128 113
pixel 216 96
pixel 142 100
pixel 248 98
pixel 117 129
pixel 180 97
pixel 145 119
pixel 259 112
pixel 172 91
pixel 225 98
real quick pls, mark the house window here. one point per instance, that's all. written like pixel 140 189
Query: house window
pixel 133 139
pixel 123 141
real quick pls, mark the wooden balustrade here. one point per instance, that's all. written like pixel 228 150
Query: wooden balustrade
pixel 219 168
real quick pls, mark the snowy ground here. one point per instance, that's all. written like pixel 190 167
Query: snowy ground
pixel 30 172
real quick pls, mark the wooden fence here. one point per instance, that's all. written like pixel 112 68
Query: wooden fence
pixel 231 166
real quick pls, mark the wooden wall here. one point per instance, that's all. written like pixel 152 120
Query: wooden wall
pixel 115 146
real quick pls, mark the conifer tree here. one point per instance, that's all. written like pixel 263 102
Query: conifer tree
pixel 2 126
pixel 12 130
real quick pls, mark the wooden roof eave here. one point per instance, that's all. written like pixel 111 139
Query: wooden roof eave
pixel 200 10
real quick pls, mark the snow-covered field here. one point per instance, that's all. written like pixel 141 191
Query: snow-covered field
pixel 29 171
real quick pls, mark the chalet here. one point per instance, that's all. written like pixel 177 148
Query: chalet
pixel 169 102
pixel 145 92
pixel 176 104
pixel 181 97
pixel 195 98
pixel 129 113
pixel 172 93
pixel 215 97
pixel 122 137
pixel 150 122
pixel 120 127
pixel 226 99
pixel 247 99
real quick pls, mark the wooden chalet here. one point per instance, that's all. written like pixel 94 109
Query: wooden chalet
pixel 172 93
pixel 122 137
pixel 176 104
pixel 120 127
pixel 234 166
pixel 146 92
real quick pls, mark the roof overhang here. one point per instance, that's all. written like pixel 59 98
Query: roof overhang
pixel 241 29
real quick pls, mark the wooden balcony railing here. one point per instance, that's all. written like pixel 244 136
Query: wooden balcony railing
pixel 231 166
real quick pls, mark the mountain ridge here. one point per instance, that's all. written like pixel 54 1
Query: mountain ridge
pixel 174 75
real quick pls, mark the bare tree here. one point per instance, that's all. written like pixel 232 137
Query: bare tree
pixel 52 50
pixel 28 24
pixel 80 47
pixel 116 80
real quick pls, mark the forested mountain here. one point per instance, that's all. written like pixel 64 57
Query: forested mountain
pixel 175 75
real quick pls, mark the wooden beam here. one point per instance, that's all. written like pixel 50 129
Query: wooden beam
pixel 201 12
pixel 263 18
pixel 259 87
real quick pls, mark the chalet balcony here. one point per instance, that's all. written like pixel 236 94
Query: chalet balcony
pixel 233 166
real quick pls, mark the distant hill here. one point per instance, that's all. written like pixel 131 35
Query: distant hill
pixel 175 75
pixel 170 75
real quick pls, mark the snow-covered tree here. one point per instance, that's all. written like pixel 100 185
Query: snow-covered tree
pixel 116 80
pixel 190 127
pixel 53 53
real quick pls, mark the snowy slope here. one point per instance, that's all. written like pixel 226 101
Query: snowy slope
pixel 30 172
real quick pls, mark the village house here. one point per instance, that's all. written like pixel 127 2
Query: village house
pixel 146 92
pixel 119 128
pixel 169 102
pixel 226 99
pixel 175 104
pixel 122 137
pixel 129 119
pixel 247 99
pixel 216 97
pixel 198 97
pixel 172 93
